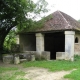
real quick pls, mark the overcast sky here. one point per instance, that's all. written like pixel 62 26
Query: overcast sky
pixel 70 7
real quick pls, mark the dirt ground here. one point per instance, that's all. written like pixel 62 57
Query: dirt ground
pixel 34 73
pixel 43 74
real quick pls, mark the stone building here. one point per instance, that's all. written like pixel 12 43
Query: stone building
pixel 60 35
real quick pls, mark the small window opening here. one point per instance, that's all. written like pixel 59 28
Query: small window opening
pixel 76 40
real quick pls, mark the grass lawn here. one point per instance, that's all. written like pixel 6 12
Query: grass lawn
pixel 59 65
pixel 55 65
pixel 11 73
pixel 75 75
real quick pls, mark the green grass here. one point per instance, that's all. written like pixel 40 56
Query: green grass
pixel 4 69
pixel 75 75
pixel 57 65
pixel 11 73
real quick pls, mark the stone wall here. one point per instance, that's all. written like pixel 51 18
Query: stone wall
pixel 26 56
pixel 77 45
pixel 7 58
pixel 27 42
pixel 62 56
pixel 45 55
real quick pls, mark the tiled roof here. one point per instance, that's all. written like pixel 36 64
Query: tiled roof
pixel 60 21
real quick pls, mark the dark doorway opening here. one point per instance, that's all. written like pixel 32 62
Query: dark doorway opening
pixel 54 42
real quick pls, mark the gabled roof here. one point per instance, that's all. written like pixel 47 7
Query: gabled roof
pixel 60 21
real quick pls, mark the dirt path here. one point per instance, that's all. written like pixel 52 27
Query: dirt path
pixel 44 74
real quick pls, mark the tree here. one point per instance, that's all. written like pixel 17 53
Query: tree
pixel 17 13
pixel 10 39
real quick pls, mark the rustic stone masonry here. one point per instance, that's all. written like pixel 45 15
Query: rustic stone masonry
pixel 77 44
pixel 26 56
pixel 31 54
pixel 45 55
pixel 62 56
pixel 39 43
pixel 7 58
pixel 69 44
pixel 16 59
pixel 77 49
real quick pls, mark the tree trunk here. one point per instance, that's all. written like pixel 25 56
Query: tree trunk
pixel 3 35
pixel 1 46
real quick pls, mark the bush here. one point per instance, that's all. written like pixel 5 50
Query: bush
pixel 76 58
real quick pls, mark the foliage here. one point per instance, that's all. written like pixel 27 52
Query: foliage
pixel 10 39
pixel 39 24
pixel 17 13
pixel 35 25
pixel 76 57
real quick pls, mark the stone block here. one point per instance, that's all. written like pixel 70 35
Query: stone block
pixel 62 55
pixel 22 56
pixel 7 58
pixel 45 55
pixel 67 56
pixel 35 55
pixel 28 57
pixel 16 60
pixel 32 57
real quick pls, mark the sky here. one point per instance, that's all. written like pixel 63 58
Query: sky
pixel 70 7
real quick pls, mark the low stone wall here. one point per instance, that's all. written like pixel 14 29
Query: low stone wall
pixel 35 55
pixel 26 56
pixel 45 55
pixel 62 56
pixel 7 58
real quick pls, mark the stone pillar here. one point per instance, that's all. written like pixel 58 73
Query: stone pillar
pixel 17 39
pixel 69 44
pixel 39 42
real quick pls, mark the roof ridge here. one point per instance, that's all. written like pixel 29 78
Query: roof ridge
pixel 64 18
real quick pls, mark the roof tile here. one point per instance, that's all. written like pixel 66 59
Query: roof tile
pixel 60 21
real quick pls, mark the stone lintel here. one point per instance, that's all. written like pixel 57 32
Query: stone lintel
pixel 69 33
